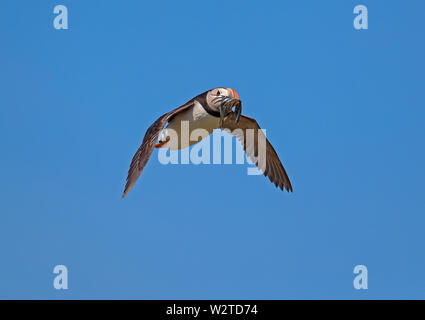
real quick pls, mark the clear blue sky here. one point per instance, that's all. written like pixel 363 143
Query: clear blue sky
pixel 344 109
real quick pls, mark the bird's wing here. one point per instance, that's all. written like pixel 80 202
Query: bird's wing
pixel 142 155
pixel 272 167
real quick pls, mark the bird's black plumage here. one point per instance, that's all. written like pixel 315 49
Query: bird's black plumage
pixel 142 155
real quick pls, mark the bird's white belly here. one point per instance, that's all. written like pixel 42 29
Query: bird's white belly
pixel 189 127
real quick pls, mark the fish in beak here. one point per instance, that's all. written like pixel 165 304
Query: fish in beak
pixel 226 105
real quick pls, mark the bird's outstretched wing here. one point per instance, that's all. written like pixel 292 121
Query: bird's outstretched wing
pixel 273 168
pixel 142 155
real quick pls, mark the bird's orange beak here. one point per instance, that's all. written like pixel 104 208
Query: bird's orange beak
pixel 237 104
pixel 235 96
pixel 234 93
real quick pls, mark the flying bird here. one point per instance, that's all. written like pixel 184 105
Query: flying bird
pixel 210 110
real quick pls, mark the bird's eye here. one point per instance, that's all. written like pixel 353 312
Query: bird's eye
pixel 218 92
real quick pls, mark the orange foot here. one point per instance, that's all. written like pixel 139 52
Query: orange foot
pixel 160 144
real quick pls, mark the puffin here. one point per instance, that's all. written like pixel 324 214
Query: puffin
pixel 218 108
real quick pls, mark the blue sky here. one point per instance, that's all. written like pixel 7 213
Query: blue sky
pixel 345 110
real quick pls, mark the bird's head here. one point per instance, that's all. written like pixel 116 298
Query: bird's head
pixel 223 100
